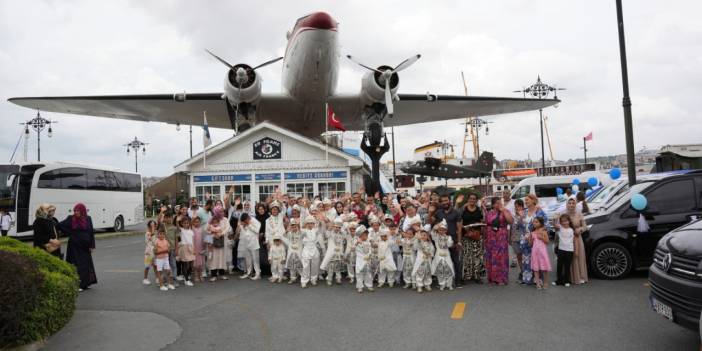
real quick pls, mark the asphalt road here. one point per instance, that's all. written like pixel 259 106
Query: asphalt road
pixel 120 313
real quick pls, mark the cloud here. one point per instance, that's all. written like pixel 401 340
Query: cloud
pixel 82 47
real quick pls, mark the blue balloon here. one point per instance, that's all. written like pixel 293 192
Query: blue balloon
pixel 593 181
pixel 615 173
pixel 559 191
pixel 576 181
pixel 638 202
pixel 588 192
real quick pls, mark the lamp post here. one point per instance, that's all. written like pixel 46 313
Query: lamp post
pixel 135 145
pixel 626 101
pixel 37 123
pixel 191 137
pixel 541 90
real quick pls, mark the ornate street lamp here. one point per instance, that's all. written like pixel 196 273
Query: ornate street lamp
pixel 135 145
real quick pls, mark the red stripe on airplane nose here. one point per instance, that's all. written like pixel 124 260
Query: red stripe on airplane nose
pixel 319 20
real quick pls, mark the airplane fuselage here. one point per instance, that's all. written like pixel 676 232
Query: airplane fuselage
pixel 311 61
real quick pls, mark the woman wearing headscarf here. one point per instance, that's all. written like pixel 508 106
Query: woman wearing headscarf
pixel 45 229
pixel 262 216
pixel 578 269
pixel 81 242
pixel 219 227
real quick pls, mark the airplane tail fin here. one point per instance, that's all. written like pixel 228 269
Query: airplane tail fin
pixel 485 162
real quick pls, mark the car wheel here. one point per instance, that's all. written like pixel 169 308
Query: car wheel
pixel 119 224
pixel 611 261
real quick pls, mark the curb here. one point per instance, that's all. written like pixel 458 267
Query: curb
pixel 37 345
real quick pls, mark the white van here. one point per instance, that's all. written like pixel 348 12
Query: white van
pixel 545 187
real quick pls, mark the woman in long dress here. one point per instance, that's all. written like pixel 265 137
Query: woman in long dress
pixel 45 228
pixel 473 252
pixel 578 269
pixel 220 229
pixel 497 243
pixel 81 243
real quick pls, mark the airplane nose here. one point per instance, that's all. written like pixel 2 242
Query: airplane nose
pixel 320 20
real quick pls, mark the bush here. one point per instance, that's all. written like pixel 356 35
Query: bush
pixel 38 312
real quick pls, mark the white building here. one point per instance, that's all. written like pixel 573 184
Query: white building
pixel 266 157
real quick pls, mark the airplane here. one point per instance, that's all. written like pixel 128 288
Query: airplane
pixel 309 80
pixel 434 167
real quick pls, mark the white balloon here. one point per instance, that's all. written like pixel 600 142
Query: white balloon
pixel 575 188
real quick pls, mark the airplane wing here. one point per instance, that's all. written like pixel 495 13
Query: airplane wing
pixel 416 108
pixel 168 108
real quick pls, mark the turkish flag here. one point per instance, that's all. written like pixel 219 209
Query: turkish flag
pixel 333 121
pixel 588 137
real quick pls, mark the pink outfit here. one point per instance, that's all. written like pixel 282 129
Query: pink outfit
pixel 539 255
pixel 198 249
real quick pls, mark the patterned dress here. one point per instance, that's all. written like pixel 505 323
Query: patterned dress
pixel 497 249
pixel 473 252
pixel 294 260
pixel 521 230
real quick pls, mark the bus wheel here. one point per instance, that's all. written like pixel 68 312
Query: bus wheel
pixel 119 224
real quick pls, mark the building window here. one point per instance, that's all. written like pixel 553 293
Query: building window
pixel 305 190
pixel 206 192
pixel 331 190
pixel 243 192
pixel 265 191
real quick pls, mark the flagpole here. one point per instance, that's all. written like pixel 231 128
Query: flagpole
pixel 585 148
pixel 326 132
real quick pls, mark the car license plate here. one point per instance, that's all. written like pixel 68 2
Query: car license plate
pixel 662 309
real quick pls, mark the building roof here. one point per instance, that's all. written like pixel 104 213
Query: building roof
pixel 686 150
pixel 354 160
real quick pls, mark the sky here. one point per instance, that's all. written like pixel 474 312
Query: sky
pixel 140 47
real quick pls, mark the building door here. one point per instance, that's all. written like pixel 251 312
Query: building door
pixel 305 190
pixel 265 191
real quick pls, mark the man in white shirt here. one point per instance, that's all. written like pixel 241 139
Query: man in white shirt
pixel 5 222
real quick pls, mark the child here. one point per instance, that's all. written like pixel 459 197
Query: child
pixel 310 253
pixel 540 263
pixel 333 259
pixel 350 252
pixel 276 258
pixel 441 266
pixel 198 248
pixel 408 257
pixel 364 275
pixel 394 239
pixel 186 249
pixel 249 236
pixel 172 238
pixel 564 250
pixel 149 241
pixel 422 265
pixel 374 230
pixel 161 251
pixel 293 263
pixel 386 265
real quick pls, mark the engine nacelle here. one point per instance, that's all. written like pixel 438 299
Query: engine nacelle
pixel 373 90
pixel 250 85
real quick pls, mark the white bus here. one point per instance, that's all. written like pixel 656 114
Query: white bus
pixel 114 198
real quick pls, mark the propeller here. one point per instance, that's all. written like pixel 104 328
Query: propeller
pixel 385 76
pixel 241 78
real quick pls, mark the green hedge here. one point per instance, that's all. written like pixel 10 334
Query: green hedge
pixel 53 303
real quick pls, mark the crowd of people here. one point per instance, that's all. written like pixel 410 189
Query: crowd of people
pixel 415 242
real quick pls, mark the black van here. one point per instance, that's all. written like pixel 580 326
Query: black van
pixel 614 246
pixel 676 276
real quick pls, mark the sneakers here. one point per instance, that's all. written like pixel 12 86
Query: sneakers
pixel 567 285
pixel 371 289
pixel 314 282
pixel 146 282
pixel 451 287
pixel 213 279
pixel 360 291
pixel 244 276
pixel 164 288
pixel 180 278
pixel 188 283
pixel 256 277
pixel 329 282
pixel 381 285
pixel 170 286
pixel 406 286
pixel 391 284
pixel 272 279
pixel 303 285
pixel 428 288
pixel 224 277
pixel 441 288
pixel 338 280
pixel 419 289
pixel 280 280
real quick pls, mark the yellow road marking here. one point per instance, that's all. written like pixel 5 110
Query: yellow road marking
pixel 458 310
pixel 121 271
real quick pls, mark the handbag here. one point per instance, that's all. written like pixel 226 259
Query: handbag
pixel 53 244
pixel 218 242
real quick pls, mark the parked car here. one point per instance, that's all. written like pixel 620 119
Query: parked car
pixel 676 276
pixel 614 246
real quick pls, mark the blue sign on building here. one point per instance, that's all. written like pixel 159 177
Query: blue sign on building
pixel 222 178
pixel 267 176
pixel 315 175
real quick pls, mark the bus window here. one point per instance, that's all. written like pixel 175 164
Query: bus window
pixel 73 178
pixel 8 186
